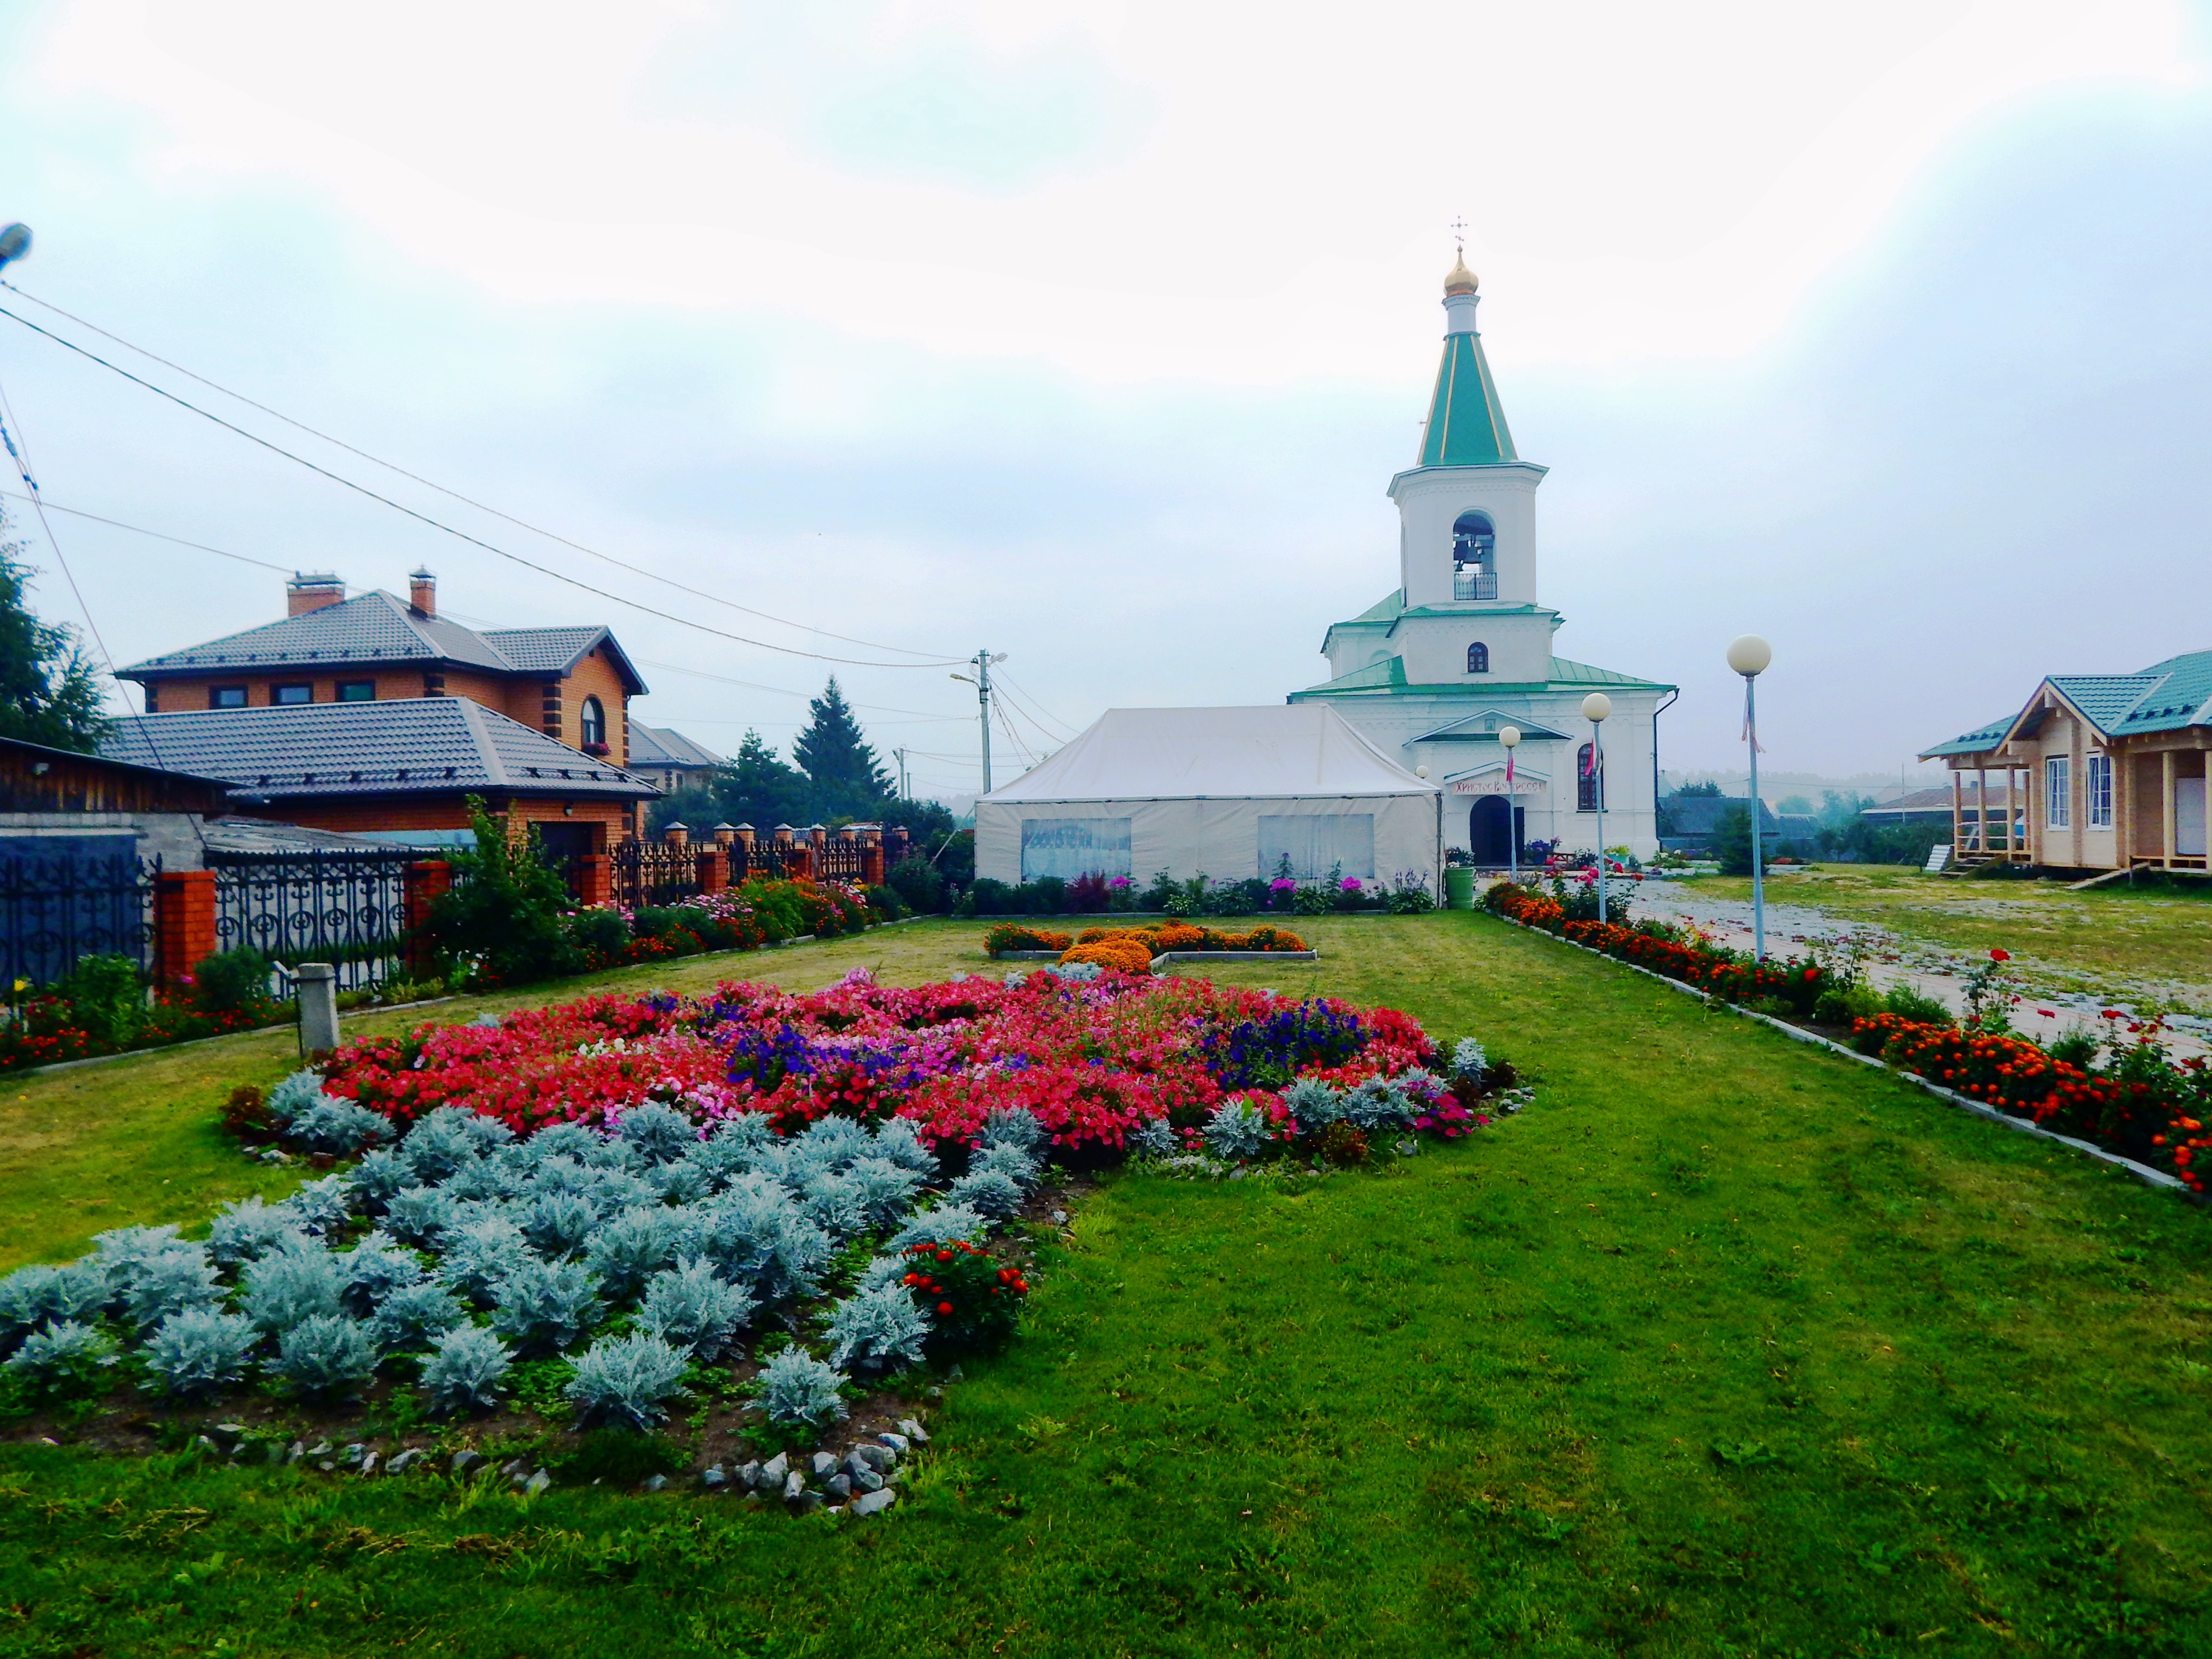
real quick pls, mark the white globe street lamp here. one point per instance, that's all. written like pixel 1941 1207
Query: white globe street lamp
pixel 1596 708
pixel 1509 737
pixel 1748 655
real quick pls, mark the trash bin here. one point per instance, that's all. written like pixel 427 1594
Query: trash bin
pixel 1459 887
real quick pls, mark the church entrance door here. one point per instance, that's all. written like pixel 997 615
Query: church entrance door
pixel 1491 829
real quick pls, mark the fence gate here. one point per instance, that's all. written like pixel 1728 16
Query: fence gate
pixel 346 908
pixel 58 906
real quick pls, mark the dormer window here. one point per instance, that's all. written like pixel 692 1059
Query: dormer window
pixel 1478 658
pixel 593 720
pixel 1474 559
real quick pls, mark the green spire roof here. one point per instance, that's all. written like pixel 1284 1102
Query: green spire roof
pixel 1466 424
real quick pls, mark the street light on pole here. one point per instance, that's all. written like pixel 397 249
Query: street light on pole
pixel 1596 708
pixel 1748 655
pixel 1508 738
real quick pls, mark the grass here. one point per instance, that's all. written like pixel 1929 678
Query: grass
pixel 1723 1347
pixel 2154 932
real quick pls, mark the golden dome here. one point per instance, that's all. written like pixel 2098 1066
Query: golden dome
pixel 1460 279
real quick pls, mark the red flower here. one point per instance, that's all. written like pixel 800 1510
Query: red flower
pixel 945 1311
pixel 2000 955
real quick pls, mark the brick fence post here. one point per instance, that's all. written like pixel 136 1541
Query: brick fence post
pixel 184 923
pixel 799 861
pixel 714 871
pixel 595 882
pixel 425 880
pixel 871 857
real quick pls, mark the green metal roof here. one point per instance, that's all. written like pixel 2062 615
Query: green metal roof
pixel 1581 673
pixel 1466 424
pixel 1973 742
pixel 1388 680
pixel 2167 697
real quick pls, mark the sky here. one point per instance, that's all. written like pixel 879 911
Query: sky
pixel 1092 333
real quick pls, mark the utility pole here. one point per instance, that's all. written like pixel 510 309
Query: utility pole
pixel 905 795
pixel 983 660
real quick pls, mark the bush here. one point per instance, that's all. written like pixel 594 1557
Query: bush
pixel 248 1230
pixel 325 1355
pixel 1409 896
pixel 797 1390
pixel 1908 1004
pixel 559 1223
pixel 106 997
pixel 465 1369
pixel 972 1302
pixel 233 981
pixel 632 1248
pixel 177 1280
pixel 337 1127
pixel 917 882
pixel 501 924
pixel 876 1328
pixel 67 1357
pixel 1313 1104
pixel 413 1315
pixel 660 1134
pixel 988 1193
pixel 1236 1130
pixel 1013 936
pixel 626 1380
pixel 544 1307
pixel 693 1308
pixel 290 1286
pixel 198 1352
pixel 375 1269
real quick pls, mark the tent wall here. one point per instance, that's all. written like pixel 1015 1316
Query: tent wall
pixel 1220 839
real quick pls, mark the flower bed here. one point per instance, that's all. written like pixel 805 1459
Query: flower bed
pixel 601 1208
pixel 1013 936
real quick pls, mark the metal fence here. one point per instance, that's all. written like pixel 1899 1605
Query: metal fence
pixel 648 872
pixel 56 911
pixel 348 908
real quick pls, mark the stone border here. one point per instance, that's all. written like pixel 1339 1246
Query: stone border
pixel 1177 955
pixel 2142 1172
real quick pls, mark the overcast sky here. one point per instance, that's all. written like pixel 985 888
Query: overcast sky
pixel 1092 333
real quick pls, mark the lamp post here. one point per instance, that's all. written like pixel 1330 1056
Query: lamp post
pixel 1596 708
pixel 1509 737
pixel 1748 655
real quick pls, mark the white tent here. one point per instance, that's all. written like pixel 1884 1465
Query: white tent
pixel 1226 793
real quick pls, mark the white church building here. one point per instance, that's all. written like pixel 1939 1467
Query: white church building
pixel 1463 646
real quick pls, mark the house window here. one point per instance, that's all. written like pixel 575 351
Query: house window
pixel 226 697
pixel 357 690
pixel 1478 658
pixel 2057 793
pixel 291 693
pixel 2097 790
pixel 1589 783
pixel 592 719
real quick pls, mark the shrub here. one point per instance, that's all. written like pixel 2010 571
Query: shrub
pixel 1015 936
pixel 833 1204
pixel 797 1390
pixel 1343 1144
pixel 465 1369
pixel 414 1314
pixel 876 1329
pixel 1408 896
pixel 197 1351
pixel 1919 1009
pixel 1313 1105
pixel 247 1230
pixel 420 1216
pixel 378 1176
pixel 66 1358
pixel 294 1096
pixel 1469 1062
pixel 337 1127
pixel 106 998
pixel 544 1307
pixel 1236 1130
pixel 179 1279
pixel 1378 1103
pixel 1155 1138
pixel 322 1206
pixel 898 1142
pixel 918 882
pixel 625 1380
pixel 1011 1127
pixel 882 1189
pixel 374 1269
pixel 1011 1161
pixel 632 1248
pixel 693 1308
pixel 658 1133
pixel 440 1143
pixel 972 1302
pixel 988 1192
pixel 325 1355
pixel 502 924
pixel 233 981
pixel 476 1255
pixel 761 1238
pixel 286 1288
pixel 121 1252
pixel 558 1223
pixel 942 1221
pixel 837 1141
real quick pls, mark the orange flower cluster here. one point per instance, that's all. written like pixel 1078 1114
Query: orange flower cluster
pixel 1013 936
pixel 1160 937
pixel 1126 955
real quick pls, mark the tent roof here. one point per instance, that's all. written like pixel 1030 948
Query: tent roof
pixel 1183 754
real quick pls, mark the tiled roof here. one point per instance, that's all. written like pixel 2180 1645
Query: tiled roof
pixel 402 745
pixel 652 745
pixel 376 627
pixel 2104 697
pixel 2167 697
pixel 1973 742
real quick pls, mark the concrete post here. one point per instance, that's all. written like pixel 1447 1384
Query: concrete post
pixel 317 983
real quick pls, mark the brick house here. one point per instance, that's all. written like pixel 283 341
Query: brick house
pixel 409 764
pixel 571 684
pixel 670 759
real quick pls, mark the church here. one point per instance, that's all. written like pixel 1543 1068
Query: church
pixel 1462 647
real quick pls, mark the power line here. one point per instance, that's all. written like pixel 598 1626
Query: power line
pixel 141 530
pixel 430 484
pixel 459 535
pixel 1031 706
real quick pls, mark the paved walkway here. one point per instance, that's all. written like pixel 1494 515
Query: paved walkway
pixel 1931 970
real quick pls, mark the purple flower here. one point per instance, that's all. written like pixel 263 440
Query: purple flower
pixel 1350 884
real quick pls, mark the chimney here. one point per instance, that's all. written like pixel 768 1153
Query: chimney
pixel 422 593
pixel 311 590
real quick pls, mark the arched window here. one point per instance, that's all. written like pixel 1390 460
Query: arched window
pixel 593 720
pixel 1478 658
pixel 1589 781
pixel 1474 557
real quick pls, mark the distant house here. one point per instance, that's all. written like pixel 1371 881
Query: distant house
pixel 669 759
pixel 384 769
pixel 2101 771
pixel 1687 823
pixel 1923 807
pixel 571 684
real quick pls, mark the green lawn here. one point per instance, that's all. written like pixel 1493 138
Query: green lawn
pixel 1725 1347
pixel 2115 935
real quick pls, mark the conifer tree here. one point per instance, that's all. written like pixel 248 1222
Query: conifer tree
pixel 49 690
pixel 849 779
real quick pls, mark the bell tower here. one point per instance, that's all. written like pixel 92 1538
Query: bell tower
pixel 1467 509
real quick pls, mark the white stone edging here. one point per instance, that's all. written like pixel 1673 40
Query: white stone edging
pixel 2142 1172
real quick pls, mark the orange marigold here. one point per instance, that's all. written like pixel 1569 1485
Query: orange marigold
pixel 1128 954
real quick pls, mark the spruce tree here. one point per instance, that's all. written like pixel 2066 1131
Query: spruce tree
pixel 49 690
pixel 849 779
pixel 756 787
